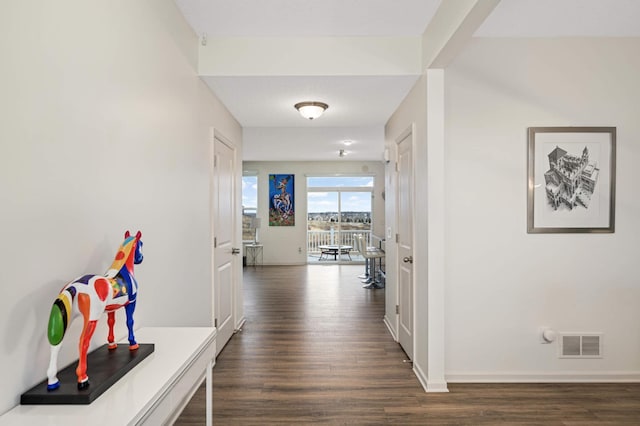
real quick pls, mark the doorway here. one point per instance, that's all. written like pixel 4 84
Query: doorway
pixel 338 209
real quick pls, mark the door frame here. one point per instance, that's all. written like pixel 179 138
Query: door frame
pixel 237 315
pixel 408 132
pixel 339 190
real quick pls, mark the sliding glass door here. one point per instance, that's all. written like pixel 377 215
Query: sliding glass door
pixel 336 214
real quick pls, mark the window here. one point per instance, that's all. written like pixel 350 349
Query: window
pixel 338 209
pixel 249 206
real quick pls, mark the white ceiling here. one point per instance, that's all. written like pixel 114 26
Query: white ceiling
pixel 354 101
pixel 359 105
pixel 308 18
pixel 563 18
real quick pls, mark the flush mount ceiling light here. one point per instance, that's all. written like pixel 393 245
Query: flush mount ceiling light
pixel 311 110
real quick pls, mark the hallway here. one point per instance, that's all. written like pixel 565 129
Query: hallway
pixel 314 350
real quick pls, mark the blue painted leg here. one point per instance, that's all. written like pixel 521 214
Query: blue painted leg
pixel 130 309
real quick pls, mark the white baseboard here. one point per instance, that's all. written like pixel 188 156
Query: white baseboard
pixel 546 377
pixel 422 378
pixel 430 386
pixel 439 386
pixel 427 385
pixel 390 328
pixel 240 324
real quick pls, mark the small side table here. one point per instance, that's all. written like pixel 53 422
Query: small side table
pixel 254 254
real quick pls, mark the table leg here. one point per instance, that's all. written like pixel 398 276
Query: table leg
pixel 209 393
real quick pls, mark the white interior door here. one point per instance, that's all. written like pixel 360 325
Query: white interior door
pixel 404 223
pixel 223 244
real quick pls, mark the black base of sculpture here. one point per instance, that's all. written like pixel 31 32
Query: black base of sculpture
pixel 104 368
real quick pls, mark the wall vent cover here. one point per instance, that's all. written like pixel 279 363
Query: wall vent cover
pixel 580 345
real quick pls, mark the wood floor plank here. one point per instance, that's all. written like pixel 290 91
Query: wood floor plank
pixel 314 350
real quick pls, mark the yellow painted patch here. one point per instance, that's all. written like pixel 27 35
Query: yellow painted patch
pixel 119 262
pixel 66 299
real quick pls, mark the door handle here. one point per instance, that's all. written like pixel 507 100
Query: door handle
pixel 235 250
pixel 408 259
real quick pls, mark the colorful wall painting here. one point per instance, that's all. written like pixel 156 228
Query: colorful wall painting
pixel 281 200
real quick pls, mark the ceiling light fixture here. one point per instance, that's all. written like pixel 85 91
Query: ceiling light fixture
pixel 342 153
pixel 311 110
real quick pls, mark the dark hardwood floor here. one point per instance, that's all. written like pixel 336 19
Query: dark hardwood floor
pixel 314 350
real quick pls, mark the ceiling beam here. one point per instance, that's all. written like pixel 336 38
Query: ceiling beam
pixel 451 28
pixel 310 56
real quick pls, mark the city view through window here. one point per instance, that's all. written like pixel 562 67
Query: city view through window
pixel 338 209
pixel 249 206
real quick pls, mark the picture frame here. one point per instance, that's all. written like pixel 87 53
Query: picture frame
pixel 571 180
pixel 282 203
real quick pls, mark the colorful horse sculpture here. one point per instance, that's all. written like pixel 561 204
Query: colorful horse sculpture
pixel 90 296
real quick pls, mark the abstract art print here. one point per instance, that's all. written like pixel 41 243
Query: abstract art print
pixel 571 180
pixel 281 200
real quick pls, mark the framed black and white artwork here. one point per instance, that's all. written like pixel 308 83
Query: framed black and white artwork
pixel 571 180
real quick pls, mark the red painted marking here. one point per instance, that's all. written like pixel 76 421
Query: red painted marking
pixel 115 307
pixel 120 255
pixel 102 288
pixel 84 305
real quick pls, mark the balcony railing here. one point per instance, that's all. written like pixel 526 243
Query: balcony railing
pixel 333 237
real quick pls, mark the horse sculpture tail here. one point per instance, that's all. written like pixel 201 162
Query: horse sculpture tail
pixel 60 316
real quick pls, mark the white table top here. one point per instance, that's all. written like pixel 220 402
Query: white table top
pixel 132 395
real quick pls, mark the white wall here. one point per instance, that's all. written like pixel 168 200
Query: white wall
pixel 281 243
pixel 502 283
pixel 105 127
pixel 411 114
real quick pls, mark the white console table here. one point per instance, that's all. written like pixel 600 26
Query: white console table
pixel 254 254
pixel 155 392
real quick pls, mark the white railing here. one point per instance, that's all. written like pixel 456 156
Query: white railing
pixel 333 237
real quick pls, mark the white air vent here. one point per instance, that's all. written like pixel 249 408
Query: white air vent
pixel 580 345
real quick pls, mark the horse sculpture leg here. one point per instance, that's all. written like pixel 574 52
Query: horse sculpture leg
pixel 52 379
pixel 130 309
pixel 111 320
pixel 89 326
pixel 85 340
pixel 59 319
